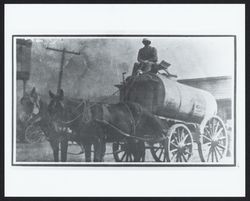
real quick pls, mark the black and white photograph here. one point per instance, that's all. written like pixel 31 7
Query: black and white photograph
pixel 159 100
pixel 124 100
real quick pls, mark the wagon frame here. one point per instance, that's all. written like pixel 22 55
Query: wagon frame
pixel 177 144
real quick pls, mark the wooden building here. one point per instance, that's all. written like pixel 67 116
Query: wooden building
pixel 23 60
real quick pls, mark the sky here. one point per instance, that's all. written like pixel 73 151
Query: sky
pixel 197 57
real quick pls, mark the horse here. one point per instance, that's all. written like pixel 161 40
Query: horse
pixel 37 111
pixel 66 112
pixel 122 121
pixel 107 121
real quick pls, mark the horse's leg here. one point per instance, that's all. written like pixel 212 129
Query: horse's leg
pixel 97 150
pixel 103 150
pixel 64 149
pixel 133 149
pixel 139 151
pixel 55 147
pixel 87 147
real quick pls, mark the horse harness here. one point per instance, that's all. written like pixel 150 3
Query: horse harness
pixel 134 123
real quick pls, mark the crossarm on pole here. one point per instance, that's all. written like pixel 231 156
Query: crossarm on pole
pixel 66 51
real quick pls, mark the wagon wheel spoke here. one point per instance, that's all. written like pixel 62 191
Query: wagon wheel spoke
pixel 180 160
pixel 177 136
pixel 214 123
pixel 176 139
pixel 212 150
pixel 177 157
pixel 215 153
pixel 210 154
pixel 211 127
pixel 221 138
pixel 188 144
pixel 130 157
pixel 208 132
pixel 221 146
pixel 182 134
pixel 173 150
pixel 184 158
pixel 209 139
pixel 185 138
pixel 218 133
pixel 216 127
pixel 160 155
pixel 123 156
pixel 174 144
pixel 173 156
pixel 126 158
pixel 218 151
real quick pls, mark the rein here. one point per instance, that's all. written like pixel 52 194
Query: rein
pixel 133 124
pixel 87 108
pixel 130 136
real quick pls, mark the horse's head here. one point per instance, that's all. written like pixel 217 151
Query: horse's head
pixel 56 105
pixel 31 103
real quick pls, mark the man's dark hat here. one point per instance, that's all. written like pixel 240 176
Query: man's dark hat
pixel 146 41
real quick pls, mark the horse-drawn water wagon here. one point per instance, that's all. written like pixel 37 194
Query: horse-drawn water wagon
pixel 188 116
pixel 154 112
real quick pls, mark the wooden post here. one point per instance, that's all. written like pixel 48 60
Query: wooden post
pixel 61 72
pixel 63 51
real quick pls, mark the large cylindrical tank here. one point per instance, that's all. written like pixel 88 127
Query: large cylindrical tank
pixel 168 98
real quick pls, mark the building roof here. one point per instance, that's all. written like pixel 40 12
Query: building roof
pixel 205 79
pixel 221 87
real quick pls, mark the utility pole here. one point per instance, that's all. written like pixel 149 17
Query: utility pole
pixel 63 51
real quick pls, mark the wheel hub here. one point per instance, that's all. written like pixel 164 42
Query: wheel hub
pixel 181 148
pixel 214 143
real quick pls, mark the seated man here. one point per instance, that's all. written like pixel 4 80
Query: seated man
pixel 147 57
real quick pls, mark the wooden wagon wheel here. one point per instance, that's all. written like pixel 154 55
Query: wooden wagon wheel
pixel 213 141
pixel 123 151
pixel 34 134
pixel 158 151
pixel 179 146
